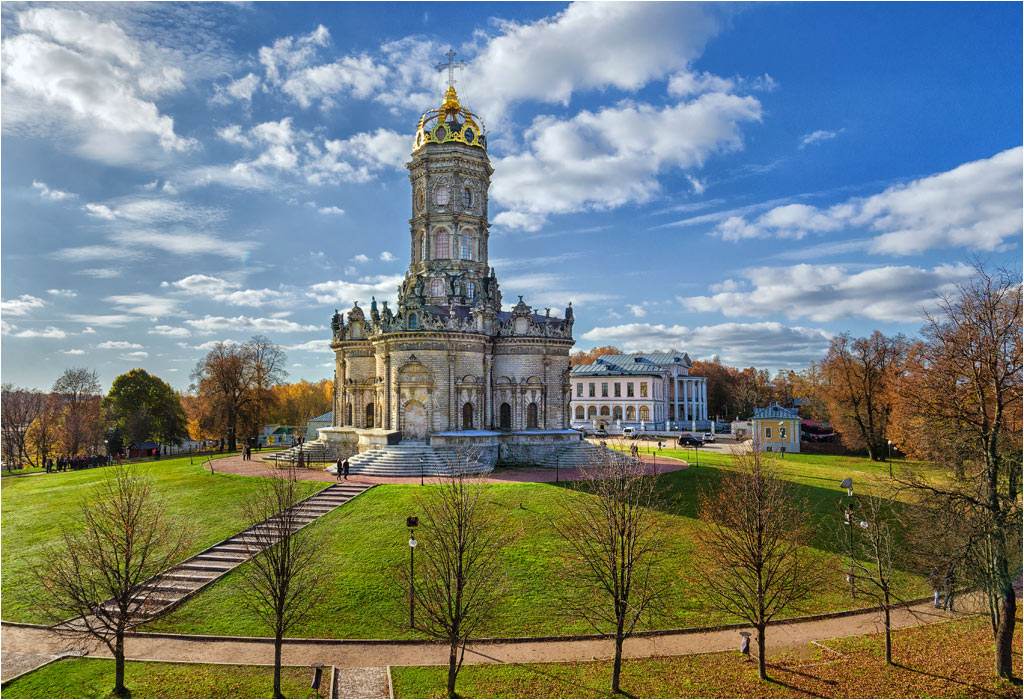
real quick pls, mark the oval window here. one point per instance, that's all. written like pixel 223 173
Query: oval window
pixel 470 135
pixel 441 133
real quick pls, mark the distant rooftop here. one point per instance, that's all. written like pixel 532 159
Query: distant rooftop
pixel 776 411
pixel 634 363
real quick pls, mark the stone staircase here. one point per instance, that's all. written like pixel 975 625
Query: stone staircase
pixel 577 455
pixel 313 452
pixel 183 580
pixel 412 459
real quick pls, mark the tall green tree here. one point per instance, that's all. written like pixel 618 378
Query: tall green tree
pixel 143 407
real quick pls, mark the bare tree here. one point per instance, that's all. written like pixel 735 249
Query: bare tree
pixel 966 380
pixel 876 552
pixel 285 579
pixel 18 409
pixel 459 582
pixel 616 535
pixel 82 426
pixel 752 562
pixel 99 575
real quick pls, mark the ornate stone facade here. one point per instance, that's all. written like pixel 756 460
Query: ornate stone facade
pixel 448 359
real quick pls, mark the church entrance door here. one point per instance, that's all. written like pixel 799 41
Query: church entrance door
pixel 505 417
pixel 467 416
pixel 414 421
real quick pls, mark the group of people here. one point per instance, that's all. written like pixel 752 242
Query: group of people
pixel 63 464
pixel 246 453
pixel 342 468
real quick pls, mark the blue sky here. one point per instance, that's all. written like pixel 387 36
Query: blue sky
pixel 734 180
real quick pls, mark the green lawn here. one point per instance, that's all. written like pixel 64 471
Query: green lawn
pixel 944 660
pixel 94 678
pixel 34 509
pixel 366 546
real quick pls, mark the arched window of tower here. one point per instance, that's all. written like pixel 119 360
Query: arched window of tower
pixel 441 195
pixel 441 237
pixel 467 197
pixel 436 288
pixel 471 290
pixel 467 245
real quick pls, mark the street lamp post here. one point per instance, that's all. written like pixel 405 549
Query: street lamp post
pixel 890 457
pixel 556 468
pixel 422 467
pixel 411 522
pixel 848 485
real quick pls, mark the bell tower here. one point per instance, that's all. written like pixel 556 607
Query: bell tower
pixel 450 174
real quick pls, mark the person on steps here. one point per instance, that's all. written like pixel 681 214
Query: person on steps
pixel 338 469
pixel 344 466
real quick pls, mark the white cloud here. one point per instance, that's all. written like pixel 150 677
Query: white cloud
pixel 818 136
pixel 205 285
pixel 547 289
pixel 96 252
pixel 103 320
pixel 46 193
pixel 606 159
pixel 185 243
pixel 137 355
pixel 88 330
pixel 343 292
pixel 318 345
pixel 359 76
pixel 587 46
pixel 100 211
pixel 637 310
pixel 976 205
pixel 144 304
pixel 74 351
pixel 93 72
pixel 48 332
pixel 830 292
pixel 360 258
pixel 241 90
pixel 21 306
pixel 172 331
pixel 331 210
pixel 62 292
pixel 226 292
pixel 385 256
pixel 102 273
pixel 119 345
pixel 762 344
pixel 210 324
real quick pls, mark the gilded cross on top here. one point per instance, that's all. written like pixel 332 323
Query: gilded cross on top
pixel 451 66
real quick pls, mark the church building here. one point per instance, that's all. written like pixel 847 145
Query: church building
pixel 448 365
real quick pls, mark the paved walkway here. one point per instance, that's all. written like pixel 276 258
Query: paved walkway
pixel 255 467
pixel 354 653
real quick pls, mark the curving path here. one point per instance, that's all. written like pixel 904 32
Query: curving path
pixel 255 467
pixel 356 653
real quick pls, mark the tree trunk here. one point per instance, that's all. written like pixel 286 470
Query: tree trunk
pixel 277 666
pixel 761 673
pixel 1004 632
pixel 119 689
pixel 617 664
pixel 453 667
pixel 888 632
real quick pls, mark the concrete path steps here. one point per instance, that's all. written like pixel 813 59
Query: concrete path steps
pixel 187 578
pixel 406 459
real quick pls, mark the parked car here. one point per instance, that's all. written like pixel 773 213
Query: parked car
pixel 708 437
pixel 632 433
pixel 601 432
pixel 689 441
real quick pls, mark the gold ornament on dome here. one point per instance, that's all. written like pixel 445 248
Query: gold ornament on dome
pixel 452 123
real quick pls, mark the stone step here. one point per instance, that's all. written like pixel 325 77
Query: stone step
pixel 202 566
pixel 187 577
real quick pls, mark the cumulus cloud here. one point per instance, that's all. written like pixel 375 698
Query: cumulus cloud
pixel 137 355
pixel 46 193
pixel 637 310
pixel 385 256
pixel 762 344
pixel 241 90
pixel 344 292
pixel 976 205
pixel 318 345
pixel 103 320
pixel 93 74
pixel 830 292
pixel 549 289
pixel 62 292
pixel 21 306
pixel 605 159
pixel 226 292
pixel 338 211
pixel 119 345
pixel 48 332
pixel 210 324
pixel 74 351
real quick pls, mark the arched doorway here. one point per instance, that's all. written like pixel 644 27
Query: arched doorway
pixel 369 415
pixel 467 416
pixel 531 415
pixel 617 413
pixel 505 417
pixel 348 414
pixel 414 421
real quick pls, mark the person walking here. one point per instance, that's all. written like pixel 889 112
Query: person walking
pixel 338 469
pixel 950 581
pixel 935 581
pixel 344 466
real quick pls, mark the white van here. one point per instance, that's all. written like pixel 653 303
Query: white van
pixel 630 432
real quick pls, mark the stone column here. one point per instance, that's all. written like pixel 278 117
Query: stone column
pixel 487 415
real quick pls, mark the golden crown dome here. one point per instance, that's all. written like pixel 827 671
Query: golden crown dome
pixel 451 123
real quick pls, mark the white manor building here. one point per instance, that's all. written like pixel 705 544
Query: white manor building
pixel 651 391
